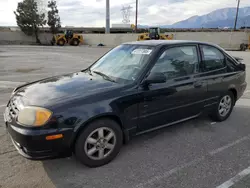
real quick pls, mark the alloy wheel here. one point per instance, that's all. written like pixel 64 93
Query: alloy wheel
pixel 225 105
pixel 100 143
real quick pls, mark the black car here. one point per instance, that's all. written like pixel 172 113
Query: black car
pixel 135 88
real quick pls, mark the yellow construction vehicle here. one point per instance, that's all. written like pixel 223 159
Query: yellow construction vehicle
pixel 154 34
pixel 244 47
pixel 68 37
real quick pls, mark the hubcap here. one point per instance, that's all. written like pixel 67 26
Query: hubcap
pixel 225 105
pixel 100 143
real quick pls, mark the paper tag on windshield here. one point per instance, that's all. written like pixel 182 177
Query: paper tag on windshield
pixel 141 51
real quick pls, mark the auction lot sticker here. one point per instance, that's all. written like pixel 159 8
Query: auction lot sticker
pixel 141 51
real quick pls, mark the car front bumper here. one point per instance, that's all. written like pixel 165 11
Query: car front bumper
pixel 32 144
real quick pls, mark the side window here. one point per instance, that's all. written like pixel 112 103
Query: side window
pixel 213 59
pixel 231 65
pixel 177 62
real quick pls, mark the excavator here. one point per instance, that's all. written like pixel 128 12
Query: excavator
pixel 68 37
pixel 154 34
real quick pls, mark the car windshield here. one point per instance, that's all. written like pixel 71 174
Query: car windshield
pixel 122 64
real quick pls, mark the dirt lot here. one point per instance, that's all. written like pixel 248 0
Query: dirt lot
pixel 195 154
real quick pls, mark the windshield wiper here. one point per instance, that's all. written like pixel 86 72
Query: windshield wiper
pixel 89 71
pixel 106 77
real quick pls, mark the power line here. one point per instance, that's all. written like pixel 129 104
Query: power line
pixel 129 3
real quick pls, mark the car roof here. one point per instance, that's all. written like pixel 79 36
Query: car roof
pixel 168 42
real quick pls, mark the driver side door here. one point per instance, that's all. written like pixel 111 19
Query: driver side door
pixel 180 97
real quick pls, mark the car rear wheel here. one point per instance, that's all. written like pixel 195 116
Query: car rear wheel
pixel 99 143
pixel 224 107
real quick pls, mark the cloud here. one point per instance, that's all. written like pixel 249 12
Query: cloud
pixel 7 16
pixel 151 12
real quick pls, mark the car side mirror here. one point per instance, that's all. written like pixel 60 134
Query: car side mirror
pixel 154 78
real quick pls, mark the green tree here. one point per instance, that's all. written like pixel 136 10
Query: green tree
pixel 28 18
pixel 53 17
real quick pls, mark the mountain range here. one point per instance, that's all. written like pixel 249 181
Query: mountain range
pixel 220 18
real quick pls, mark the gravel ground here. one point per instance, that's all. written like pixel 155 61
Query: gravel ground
pixel 195 154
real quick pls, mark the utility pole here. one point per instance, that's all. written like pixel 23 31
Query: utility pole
pixel 107 17
pixel 236 18
pixel 136 15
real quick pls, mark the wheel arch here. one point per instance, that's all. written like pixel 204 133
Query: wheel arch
pixel 234 91
pixel 111 116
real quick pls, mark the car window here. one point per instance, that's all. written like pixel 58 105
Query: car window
pixel 213 59
pixel 123 63
pixel 231 65
pixel 177 62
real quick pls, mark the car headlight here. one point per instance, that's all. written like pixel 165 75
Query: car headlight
pixel 33 116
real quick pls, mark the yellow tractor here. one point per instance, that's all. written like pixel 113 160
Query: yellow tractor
pixel 68 37
pixel 244 47
pixel 154 34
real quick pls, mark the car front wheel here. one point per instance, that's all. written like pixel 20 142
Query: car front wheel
pixel 224 107
pixel 99 143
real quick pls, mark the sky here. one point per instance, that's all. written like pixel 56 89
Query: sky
pixel 91 13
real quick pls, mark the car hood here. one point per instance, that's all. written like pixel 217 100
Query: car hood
pixel 62 88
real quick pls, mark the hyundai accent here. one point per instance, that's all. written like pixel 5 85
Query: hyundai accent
pixel 135 88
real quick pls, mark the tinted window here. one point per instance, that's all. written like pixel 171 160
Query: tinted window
pixel 212 58
pixel 231 64
pixel 177 62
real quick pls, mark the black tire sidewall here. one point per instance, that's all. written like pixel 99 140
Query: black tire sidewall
pixel 217 115
pixel 73 42
pixel 58 43
pixel 79 145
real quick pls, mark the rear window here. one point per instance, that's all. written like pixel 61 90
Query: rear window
pixel 213 59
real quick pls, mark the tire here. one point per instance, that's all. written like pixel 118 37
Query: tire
pixel 218 115
pixel 75 42
pixel 243 47
pixel 95 149
pixel 61 42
